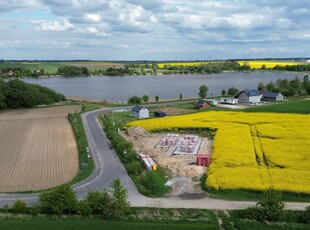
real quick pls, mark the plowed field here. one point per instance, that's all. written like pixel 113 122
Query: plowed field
pixel 37 149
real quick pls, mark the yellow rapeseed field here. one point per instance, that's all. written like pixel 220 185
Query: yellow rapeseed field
pixel 252 151
pixel 268 64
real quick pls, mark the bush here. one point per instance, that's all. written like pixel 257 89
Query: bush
pixel 270 208
pixel 134 100
pixel 134 168
pixel 154 183
pixel 35 210
pixel 145 98
pixel 84 208
pixel 61 200
pixel 305 216
pixel 99 203
pixel 19 207
pixel 5 208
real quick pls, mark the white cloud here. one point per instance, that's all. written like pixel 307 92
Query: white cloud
pixel 92 17
pixel 166 28
pixel 56 25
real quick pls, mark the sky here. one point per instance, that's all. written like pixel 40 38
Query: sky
pixel 153 29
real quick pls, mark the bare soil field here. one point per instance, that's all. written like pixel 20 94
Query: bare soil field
pixel 182 170
pixel 37 148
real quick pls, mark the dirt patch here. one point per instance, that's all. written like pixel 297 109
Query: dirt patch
pixel 182 170
pixel 38 149
pixel 170 111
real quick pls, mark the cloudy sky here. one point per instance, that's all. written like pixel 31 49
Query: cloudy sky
pixel 154 29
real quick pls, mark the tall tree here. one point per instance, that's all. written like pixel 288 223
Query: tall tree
pixel 261 85
pixel 120 205
pixel 203 91
pixel 270 86
pixel 232 91
pixel 145 98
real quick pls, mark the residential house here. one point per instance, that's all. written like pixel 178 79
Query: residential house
pixel 251 96
pixel 140 112
pixel 202 104
pixel 271 96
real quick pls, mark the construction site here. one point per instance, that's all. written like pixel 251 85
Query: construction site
pixel 184 157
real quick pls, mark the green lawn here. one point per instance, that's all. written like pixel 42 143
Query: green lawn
pixel 292 106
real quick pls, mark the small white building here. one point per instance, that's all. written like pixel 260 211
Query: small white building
pixel 229 100
pixel 140 112
pixel 251 96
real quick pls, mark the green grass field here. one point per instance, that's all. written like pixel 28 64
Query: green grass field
pixel 52 67
pixel 37 223
pixel 292 106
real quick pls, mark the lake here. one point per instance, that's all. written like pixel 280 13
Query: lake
pixel 116 89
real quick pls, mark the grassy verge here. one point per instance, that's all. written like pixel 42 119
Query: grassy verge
pixel 149 183
pixel 153 218
pixel 143 219
pixel 254 195
pixel 81 140
pixel 235 220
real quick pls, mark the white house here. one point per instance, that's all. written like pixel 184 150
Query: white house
pixel 250 96
pixel 140 112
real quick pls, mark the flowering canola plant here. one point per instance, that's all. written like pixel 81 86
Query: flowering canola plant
pixel 252 151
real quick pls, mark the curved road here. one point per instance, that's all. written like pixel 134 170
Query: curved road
pixel 109 168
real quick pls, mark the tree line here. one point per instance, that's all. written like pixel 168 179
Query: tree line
pixel 108 204
pixel 288 88
pixel 16 93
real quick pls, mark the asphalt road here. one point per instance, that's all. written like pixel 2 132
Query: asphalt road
pixel 109 168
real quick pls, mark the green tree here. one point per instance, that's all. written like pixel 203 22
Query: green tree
pixel 61 200
pixel 296 84
pixel 120 205
pixel 145 98
pixel 99 203
pixel 263 67
pixel 134 100
pixel 203 91
pixel 306 84
pixel 270 208
pixel 180 96
pixel 19 207
pixel 156 98
pixel 232 91
pixel 270 86
pixel 223 92
pixel 261 85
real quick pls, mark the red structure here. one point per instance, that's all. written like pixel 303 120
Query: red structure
pixel 203 160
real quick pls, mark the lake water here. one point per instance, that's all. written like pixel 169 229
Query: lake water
pixel 165 86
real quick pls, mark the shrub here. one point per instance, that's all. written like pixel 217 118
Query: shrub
pixel 145 98
pixel 154 183
pixel 99 203
pixel 35 210
pixel 19 207
pixel 134 100
pixel 61 200
pixel 305 216
pixel 5 208
pixel 270 208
